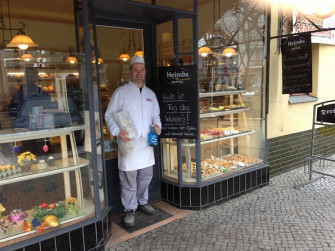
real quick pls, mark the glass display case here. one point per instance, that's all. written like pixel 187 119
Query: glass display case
pixel 228 156
pixel 227 125
pixel 46 177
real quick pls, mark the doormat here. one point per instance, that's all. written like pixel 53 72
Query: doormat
pixel 143 220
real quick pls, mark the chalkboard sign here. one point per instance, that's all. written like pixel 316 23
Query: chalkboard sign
pixel 297 64
pixel 326 113
pixel 178 100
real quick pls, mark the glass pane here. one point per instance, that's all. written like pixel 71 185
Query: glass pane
pixel 114 71
pixel 44 140
pixel 96 99
pixel 169 158
pixel 185 36
pixel 91 26
pixel 165 50
pixel 231 94
pixel 101 183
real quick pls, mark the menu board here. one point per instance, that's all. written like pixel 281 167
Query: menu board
pixel 297 64
pixel 178 100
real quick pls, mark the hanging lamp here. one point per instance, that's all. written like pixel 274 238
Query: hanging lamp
pixel 27 57
pixel 204 51
pixel 71 59
pixel 229 52
pixel 22 41
pixel 124 56
pixel 139 53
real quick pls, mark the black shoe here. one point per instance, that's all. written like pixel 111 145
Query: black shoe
pixel 129 218
pixel 146 208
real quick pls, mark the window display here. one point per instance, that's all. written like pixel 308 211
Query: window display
pixel 45 170
pixel 231 100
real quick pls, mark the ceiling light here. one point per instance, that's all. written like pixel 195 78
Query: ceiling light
pixel 124 57
pixel 139 53
pixel 204 51
pixel 22 41
pixel 228 52
pixel 72 60
pixel 27 57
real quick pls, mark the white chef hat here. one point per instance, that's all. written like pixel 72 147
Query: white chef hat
pixel 137 59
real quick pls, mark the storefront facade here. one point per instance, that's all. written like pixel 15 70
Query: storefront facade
pixel 213 145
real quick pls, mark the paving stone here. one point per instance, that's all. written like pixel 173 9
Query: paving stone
pixel 275 217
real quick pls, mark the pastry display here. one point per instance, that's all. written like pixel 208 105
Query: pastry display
pixel 220 132
pixel 220 108
pixel 212 166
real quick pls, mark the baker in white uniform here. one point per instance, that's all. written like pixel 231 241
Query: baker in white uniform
pixel 135 156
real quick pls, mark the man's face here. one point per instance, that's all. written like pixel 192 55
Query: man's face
pixel 137 73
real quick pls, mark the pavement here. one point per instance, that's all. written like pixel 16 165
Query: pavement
pixel 290 213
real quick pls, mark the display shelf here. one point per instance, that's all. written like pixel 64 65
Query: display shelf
pixel 11 135
pixel 222 113
pixel 174 143
pixel 219 93
pixel 16 231
pixel 61 166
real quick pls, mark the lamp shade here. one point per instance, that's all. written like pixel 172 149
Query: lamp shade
pixel 124 57
pixel 72 60
pixel 27 57
pixel 100 60
pixel 139 53
pixel 204 51
pixel 228 52
pixel 22 41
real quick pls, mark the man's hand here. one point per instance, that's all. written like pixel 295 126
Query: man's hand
pixel 157 129
pixel 123 135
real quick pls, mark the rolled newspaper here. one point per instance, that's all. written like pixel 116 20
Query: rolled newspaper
pixel 125 123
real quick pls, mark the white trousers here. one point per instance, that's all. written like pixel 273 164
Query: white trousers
pixel 135 187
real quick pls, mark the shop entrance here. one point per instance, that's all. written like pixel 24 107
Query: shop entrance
pixel 117 43
pixel 154 29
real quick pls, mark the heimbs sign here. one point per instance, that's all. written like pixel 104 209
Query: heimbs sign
pixel 297 64
pixel 326 113
pixel 176 75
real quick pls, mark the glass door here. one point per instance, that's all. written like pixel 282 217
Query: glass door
pixel 116 47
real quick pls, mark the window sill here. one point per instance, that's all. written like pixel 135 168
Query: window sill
pixel 301 99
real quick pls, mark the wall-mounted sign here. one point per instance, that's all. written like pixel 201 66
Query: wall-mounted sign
pixel 297 64
pixel 177 96
pixel 326 113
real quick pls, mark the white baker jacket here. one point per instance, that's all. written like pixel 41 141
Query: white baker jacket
pixel 143 108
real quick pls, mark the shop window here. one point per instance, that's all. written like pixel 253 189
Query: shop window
pixel 46 174
pixel 231 96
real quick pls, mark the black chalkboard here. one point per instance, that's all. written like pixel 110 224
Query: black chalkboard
pixel 297 64
pixel 178 100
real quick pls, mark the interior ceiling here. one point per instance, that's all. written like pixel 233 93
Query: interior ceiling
pixel 49 10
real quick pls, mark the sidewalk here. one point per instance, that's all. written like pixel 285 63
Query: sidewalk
pixel 275 217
